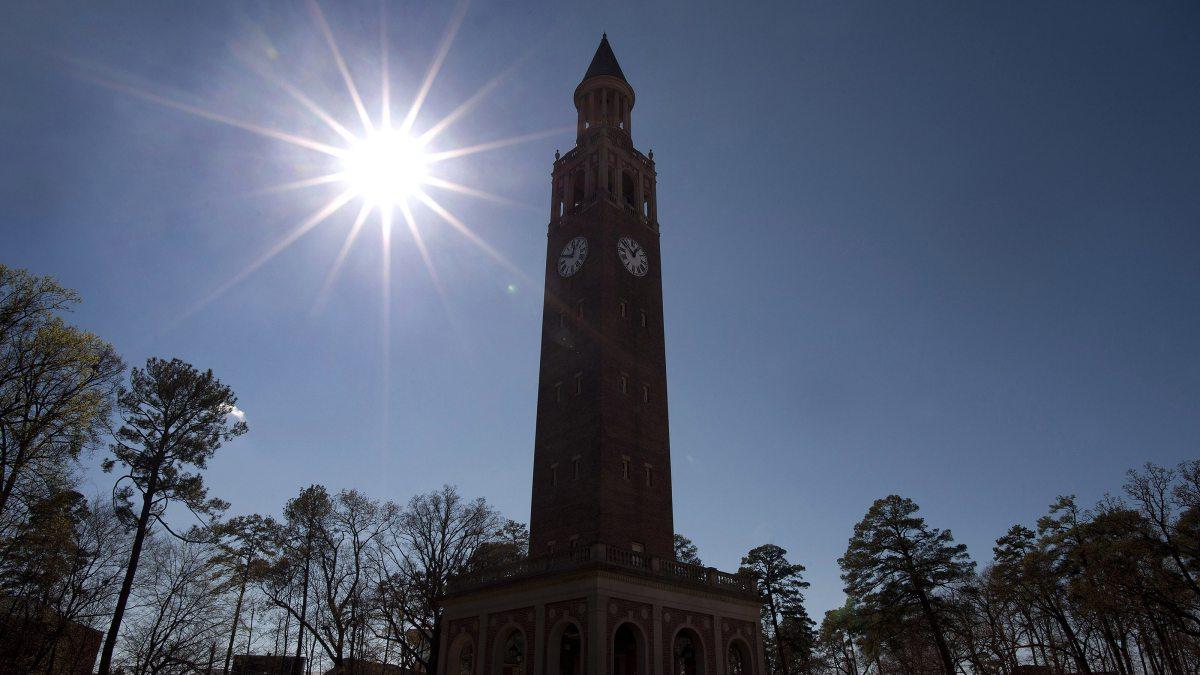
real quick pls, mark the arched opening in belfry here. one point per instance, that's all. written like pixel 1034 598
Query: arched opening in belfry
pixel 737 659
pixel 577 189
pixel 627 651
pixel 687 654
pixel 512 653
pixel 627 191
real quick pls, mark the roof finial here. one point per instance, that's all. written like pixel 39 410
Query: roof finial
pixel 603 35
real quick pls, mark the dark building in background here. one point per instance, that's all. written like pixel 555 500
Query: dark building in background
pixel 39 642
pixel 263 664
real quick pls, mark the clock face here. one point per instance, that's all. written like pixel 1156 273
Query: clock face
pixel 572 256
pixel 633 257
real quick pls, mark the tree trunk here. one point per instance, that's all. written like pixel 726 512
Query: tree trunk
pixel 936 627
pixel 435 644
pixel 237 614
pixel 303 612
pixel 139 538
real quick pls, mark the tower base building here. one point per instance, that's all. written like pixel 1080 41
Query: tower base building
pixel 601 592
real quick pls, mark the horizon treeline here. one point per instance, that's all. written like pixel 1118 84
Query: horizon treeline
pixel 340 579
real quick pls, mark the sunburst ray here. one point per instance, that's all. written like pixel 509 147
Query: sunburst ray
pixel 467 232
pixel 324 179
pixel 314 219
pixel 456 20
pixel 343 253
pixel 268 132
pixel 495 145
pixel 470 191
pixel 327 32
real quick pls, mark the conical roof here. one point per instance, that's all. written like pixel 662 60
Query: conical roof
pixel 605 62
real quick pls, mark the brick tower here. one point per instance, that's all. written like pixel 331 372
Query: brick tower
pixel 601 592
pixel 602 460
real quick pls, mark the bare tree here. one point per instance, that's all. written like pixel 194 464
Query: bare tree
pixel 433 539
pixel 179 609
pixel 330 557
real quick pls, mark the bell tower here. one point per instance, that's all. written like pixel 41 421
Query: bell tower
pixel 600 592
pixel 602 460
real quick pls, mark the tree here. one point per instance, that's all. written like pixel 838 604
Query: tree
pixel 510 544
pixel 179 618
pixel 685 551
pixel 894 561
pixel 174 417
pixel 780 586
pixel 245 543
pixel 56 387
pixel 331 552
pixel 434 539
pixel 61 567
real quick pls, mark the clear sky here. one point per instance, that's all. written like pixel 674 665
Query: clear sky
pixel 949 250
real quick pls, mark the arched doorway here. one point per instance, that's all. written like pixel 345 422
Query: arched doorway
pixel 570 651
pixel 627 651
pixel 687 654
pixel 737 659
pixel 512 653
pixel 466 660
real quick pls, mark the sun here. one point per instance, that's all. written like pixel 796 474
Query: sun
pixel 385 167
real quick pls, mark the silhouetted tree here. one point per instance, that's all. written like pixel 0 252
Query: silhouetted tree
pixel 245 543
pixel 780 585
pixel 434 539
pixel 173 418
pixel 895 561
pixel 56 387
pixel 686 551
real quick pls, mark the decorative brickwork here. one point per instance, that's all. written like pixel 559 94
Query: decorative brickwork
pixel 574 611
pixel 497 625
pixel 459 631
pixel 625 611
pixel 700 625
pixel 747 632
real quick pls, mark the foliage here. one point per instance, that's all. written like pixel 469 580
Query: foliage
pixel 174 417
pixel 896 565
pixel 787 628
pixel 686 551
pixel 56 387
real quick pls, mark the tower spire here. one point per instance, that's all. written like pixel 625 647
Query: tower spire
pixel 604 62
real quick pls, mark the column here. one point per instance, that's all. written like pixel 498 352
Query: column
pixel 656 634
pixel 639 191
pixel 604 169
pixel 597 648
pixel 481 646
pixel 539 639
pixel 718 647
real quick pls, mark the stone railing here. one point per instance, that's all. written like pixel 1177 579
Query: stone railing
pixel 603 555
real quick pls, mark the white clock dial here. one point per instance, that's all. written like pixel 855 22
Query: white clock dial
pixel 572 256
pixel 633 257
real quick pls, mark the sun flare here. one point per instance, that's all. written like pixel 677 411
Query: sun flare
pixel 385 168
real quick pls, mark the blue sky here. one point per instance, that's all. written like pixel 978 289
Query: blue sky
pixel 949 250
